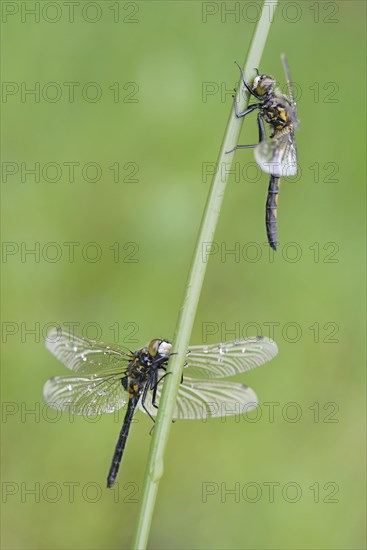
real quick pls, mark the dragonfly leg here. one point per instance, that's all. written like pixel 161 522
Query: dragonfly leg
pixel 247 86
pixel 242 147
pixel 260 122
pixel 262 135
pixel 154 388
pixel 143 398
pixel 246 111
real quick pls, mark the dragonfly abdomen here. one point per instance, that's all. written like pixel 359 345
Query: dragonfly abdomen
pixel 121 443
pixel 271 212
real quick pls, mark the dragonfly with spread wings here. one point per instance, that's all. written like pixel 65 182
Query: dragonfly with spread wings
pixel 110 376
pixel 276 155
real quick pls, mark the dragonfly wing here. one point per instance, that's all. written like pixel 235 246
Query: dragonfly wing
pixel 201 399
pixel 290 88
pixel 85 395
pixel 278 155
pixel 229 358
pixel 85 356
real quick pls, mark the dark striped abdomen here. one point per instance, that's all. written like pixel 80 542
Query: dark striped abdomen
pixel 271 212
pixel 120 447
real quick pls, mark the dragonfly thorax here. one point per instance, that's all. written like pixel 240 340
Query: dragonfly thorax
pixel 149 359
pixel 277 112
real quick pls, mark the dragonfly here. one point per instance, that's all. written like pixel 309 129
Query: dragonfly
pixel 276 155
pixel 109 376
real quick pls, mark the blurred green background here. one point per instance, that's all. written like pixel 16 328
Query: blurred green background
pixel 163 73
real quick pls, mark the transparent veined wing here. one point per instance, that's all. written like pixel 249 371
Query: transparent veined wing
pixel 85 356
pixel 85 395
pixel 290 90
pixel 278 155
pixel 200 399
pixel 229 358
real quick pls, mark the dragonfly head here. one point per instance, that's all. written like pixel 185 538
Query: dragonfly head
pixel 161 347
pixel 264 84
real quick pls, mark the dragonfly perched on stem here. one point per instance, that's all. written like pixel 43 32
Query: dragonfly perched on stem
pixel 276 155
pixel 107 377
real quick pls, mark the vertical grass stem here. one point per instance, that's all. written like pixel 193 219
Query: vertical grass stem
pixel 187 314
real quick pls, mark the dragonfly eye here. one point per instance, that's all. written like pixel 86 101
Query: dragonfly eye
pixel 256 81
pixel 153 347
pixel 165 347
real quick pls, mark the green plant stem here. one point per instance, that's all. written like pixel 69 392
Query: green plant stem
pixel 185 322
